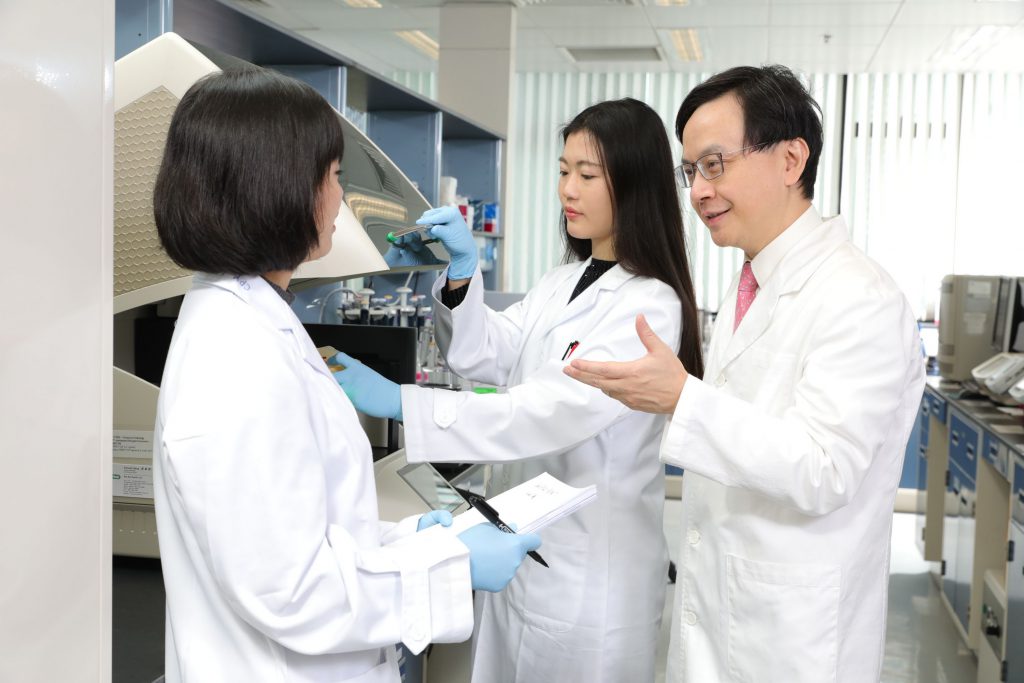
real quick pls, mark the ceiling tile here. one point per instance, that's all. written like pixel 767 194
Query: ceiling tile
pixel 908 47
pixel 822 57
pixel 723 48
pixel 732 15
pixel 573 17
pixel 960 13
pixel 847 14
pixel 1006 55
pixel 832 36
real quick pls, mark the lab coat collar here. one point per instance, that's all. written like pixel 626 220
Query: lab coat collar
pixel 558 314
pixel 255 291
pixel 768 259
pixel 789 265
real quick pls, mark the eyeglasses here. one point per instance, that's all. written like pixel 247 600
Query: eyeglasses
pixel 710 165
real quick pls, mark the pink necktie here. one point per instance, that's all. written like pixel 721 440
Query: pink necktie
pixel 745 295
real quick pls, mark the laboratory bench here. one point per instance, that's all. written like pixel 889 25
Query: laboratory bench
pixel 970 524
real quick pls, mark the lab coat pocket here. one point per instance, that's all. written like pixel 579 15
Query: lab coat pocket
pixel 551 598
pixel 771 377
pixel 385 672
pixel 783 621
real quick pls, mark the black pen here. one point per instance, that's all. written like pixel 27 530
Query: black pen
pixel 491 515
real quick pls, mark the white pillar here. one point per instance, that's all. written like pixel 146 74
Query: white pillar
pixel 56 293
pixel 476 67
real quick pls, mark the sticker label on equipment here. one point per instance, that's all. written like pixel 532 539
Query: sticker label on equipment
pixel 133 443
pixel 981 288
pixel 974 323
pixel 133 481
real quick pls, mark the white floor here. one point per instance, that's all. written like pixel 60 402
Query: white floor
pixel 921 646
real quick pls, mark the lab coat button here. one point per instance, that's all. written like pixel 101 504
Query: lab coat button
pixel 693 536
pixel 691 618
pixel 720 381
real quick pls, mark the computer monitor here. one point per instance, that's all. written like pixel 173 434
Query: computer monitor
pixel 391 351
pixel 1008 332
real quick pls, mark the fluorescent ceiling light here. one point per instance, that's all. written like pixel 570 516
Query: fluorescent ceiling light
pixel 421 41
pixel 687 44
pixel 672 3
pixel 363 4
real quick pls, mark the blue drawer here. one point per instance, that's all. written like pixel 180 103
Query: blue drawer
pixel 1017 504
pixel 964 442
pixel 938 408
pixel 996 453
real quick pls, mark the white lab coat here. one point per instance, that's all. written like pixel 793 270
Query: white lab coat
pixel 595 614
pixel 275 563
pixel 793 447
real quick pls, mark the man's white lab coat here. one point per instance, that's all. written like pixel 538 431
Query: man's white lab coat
pixel 793 446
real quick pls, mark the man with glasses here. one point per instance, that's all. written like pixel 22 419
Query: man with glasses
pixel 793 440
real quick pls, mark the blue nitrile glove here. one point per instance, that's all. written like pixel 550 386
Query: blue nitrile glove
pixel 409 250
pixel 455 236
pixel 494 556
pixel 369 391
pixel 442 517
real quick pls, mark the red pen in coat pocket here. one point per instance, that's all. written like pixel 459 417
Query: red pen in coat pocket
pixel 568 351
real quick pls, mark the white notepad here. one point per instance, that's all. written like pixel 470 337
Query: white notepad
pixel 532 505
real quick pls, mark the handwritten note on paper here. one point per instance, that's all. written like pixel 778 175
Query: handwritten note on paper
pixel 532 505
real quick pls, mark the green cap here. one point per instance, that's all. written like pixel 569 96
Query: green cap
pixel 485 390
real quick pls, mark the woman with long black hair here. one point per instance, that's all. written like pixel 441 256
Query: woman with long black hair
pixel 594 613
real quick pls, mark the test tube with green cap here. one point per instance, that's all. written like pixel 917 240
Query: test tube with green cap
pixel 394 235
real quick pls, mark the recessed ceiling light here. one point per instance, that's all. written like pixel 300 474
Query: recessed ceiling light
pixel 687 44
pixel 421 41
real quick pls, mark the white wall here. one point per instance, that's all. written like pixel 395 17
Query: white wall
pixel 56 149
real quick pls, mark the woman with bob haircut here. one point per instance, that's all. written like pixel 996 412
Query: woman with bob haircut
pixel 275 563
pixel 594 613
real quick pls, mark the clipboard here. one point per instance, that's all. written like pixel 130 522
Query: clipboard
pixel 431 486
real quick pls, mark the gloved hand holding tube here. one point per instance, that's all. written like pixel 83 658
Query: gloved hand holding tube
pixel 494 556
pixel 369 391
pixel 456 237
pixel 409 250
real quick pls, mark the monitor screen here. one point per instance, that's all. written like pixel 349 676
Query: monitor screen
pixel 391 351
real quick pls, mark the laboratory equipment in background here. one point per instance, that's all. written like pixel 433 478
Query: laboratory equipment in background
pixel 1017 391
pixel 1009 325
pixel 979 316
pixel 148 287
pixel 999 373
pixel 967 312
